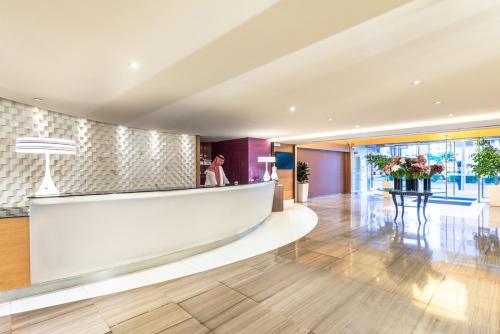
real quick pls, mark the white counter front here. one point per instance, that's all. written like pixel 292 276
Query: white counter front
pixel 76 235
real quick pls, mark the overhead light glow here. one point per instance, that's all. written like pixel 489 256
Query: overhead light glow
pixel 416 82
pixel 437 102
pixel 330 119
pixel 292 108
pixel 357 126
pixel 133 65
pixel 37 99
pixel 450 115
pixel 392 127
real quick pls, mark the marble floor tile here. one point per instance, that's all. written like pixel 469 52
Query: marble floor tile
pixel 125 305
pixel 183 288
pixel 153 321
pixel 259 320
pixel 231 313
pixel 272 281
pixel 353 270
pixel 190 326
pixel 21 320
pixel 85 320
pixel 309 300
pixel 5 324
pixel 211 303
pixel 334 250
pixel 436 320
pixel 372 310
pixel 311 259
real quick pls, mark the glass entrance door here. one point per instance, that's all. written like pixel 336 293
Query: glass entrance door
pixel 457 181
pixel 462 183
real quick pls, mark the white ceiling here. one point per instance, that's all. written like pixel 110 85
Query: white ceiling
pixel 228 69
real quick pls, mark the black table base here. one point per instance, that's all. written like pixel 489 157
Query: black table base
pixel 418 194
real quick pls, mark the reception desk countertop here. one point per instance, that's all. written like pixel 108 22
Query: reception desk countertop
pixel 141 190
pixel 23 211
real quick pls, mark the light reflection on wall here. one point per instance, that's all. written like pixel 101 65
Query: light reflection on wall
pixel 108 157
pixel 40 122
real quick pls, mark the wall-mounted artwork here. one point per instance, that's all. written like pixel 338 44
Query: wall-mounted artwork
pixel 285 160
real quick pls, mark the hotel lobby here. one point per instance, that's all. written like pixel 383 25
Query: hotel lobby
pixel 249 167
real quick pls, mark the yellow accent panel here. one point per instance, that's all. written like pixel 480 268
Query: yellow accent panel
pixel 487 132
pixel 329 146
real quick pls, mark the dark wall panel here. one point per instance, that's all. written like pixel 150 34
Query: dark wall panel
pixel 258 148
pixel 235 153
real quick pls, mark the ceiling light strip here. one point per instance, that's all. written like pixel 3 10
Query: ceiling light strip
pixel 392 127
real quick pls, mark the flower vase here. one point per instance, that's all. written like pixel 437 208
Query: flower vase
pixel 411 184
pixel 398 184
pixel 427 184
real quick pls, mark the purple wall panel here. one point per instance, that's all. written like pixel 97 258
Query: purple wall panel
pixel 257 148
pixel 327 171
pixel 235 153
pixel 241 158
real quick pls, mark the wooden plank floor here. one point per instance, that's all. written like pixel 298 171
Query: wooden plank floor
pixel 356 272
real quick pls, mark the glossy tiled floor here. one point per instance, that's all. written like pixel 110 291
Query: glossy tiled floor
pixel 356 272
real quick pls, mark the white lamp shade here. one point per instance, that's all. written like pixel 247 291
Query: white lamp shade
pixel 45 145
pixel 266 159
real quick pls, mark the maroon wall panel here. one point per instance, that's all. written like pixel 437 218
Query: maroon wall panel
pixel 327 171
pixel 257 148
pixel 235 153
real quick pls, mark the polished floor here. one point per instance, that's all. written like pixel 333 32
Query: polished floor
pixel 356 272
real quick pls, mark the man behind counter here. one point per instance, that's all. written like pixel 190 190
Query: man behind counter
pixel 215 175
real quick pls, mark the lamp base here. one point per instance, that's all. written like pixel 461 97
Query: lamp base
pixel 274 174
pixel 266 176
pixel 47 188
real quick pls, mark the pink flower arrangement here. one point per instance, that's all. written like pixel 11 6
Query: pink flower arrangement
pixel 418 170
pixel 412 168
pixel 436 169
pixel 396 168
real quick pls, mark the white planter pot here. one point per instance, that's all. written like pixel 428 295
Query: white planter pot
pixel 302 192
pixel 493 194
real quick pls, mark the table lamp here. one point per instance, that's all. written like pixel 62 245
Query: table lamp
pixel 46 146
pixel 266 160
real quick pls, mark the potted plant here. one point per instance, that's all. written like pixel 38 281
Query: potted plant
pixel 303 172
pixel 380 161
pixel 486 163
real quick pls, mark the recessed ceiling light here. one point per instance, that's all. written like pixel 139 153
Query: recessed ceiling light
pixel 437 102
pixel 330 119
pixel 357 126
pixel 292 108
pixel 37 99
pixel 133 65
pixel 450 115
pixel 416 82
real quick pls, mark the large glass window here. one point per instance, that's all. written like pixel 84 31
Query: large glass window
pixel 457 180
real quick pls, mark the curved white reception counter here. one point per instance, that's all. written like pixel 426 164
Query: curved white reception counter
pixel 78 235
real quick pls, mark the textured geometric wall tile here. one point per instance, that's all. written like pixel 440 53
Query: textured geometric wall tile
pixel 108 157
